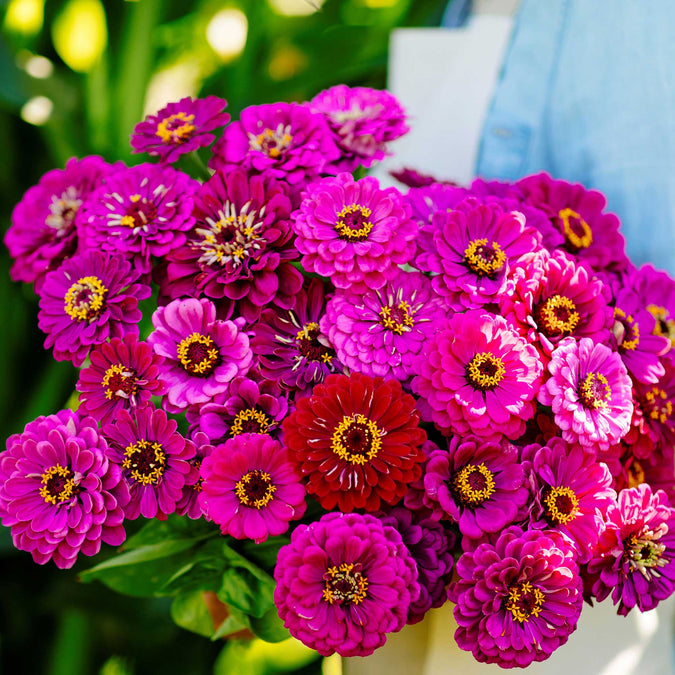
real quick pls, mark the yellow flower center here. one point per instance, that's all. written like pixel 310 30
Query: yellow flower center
pixel 176 128
pixel 272 142
pixel 657 406
pixel 626 330
pixel 198 354
pixel 345 585
pixel 524 601
pixel 644 552
pixel 484 259
pixel 353 222
pixel 664 325
pixel 557 316
pixel 397 319
pixel 578 234
pixel 250 421
pixel 594 391
pixel 58 485
pixel 255 489
pixel 356 439
pixel 473 484
pixel 309 347
pixel 561 505
pixel 85 299
pixel 146 461
pixel 485 371
pixel 119 382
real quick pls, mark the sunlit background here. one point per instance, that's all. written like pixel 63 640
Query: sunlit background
pixel 75 77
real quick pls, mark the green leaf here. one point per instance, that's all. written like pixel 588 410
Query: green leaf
pixel 269 627
pixel 265 554
pixel 189 611
pixel 233 624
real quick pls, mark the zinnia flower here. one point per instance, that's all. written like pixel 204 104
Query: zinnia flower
pixel 343 583
pixel 154 459
pixel 656 290
pixel 518 599
pixel 590 393
pixel 354 232
pixel 92 297
pixel 357 441
pixel 59 493
pixel 201 354
pixel 478 375
pixel 250 488
pixel 189 505
pixel 180 127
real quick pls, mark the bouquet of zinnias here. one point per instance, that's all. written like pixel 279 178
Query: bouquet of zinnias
pixel 449 393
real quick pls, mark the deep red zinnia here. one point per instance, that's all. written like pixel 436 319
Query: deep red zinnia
pixel 357 440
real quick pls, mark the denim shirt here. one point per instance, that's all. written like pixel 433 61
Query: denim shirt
pixel 587 93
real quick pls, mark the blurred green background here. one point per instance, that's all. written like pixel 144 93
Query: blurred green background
pixel 75 77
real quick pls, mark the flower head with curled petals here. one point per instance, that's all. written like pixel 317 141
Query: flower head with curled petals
pixel 343 583
pixel 188 505
pixel 202 355
pixel 92 297
pixel 250 488
pixel 59 493
pixel 180 127
pixel 357 441
pixel 517 600
pixel 354 232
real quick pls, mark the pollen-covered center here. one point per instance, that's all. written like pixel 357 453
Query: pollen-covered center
pixel 644 551
pixel 356 439
pixel 578 234
pixel 560 505
pixel 626 331
pixel 345 584
pixel 484 259
pixel 198 354
pixel 146 461
pixel 594 391
pixel 176 129
pixel 664 325
pixel 233 238
pixel 58 484
pixel 119 382
pixel 250 421
pixel 353 222
pixel 308 344
pixel 524 601
pixel 556 316
pixel 485 371
pixel 62 211
pixel 85 299
pixel 473 484
pixel 255 489
pixel 272 142
pixel 657 406
pixel 139 213
pixel 397 319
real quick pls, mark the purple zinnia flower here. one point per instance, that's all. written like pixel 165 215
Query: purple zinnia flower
pixel 59 493
pixel 202 355
pixel 479 484
pixel 143 211
pixel 92 297
pixel 188 505
pixel 381 332
pixel 552 296
pixel 250 488
pixel 656 290
pixel 43 231
pixel 471 251
pixel 657 405
pixel 283 140
pixel 343 583
pixel 590 392
pixel 354 232
pixel 248 407
pixel 635 561
pixel 154 458
pixel 122 375
pixel 478 375
pixel 518 599
pixel 430 544
pixel 572 494
pixel 362 121
pixel 180 127
pixel 290 347
pixel 240 248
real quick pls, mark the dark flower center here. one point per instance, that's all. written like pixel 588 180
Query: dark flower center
pixel 272 142
pixel 198 354
pixel 560 505
pixel 356 439
pixel 657 406
pixel 578 234
pixel 345 585
pixel 524 601
pixel 485 371
pixel 250 421
pixel 62 211
pixel 146 461
pixel 626 331
pixel 397 319
pixel 58 484
pixel 196 462
pixel 307 342
pixel 353 223
pixel 594 391
pixel 644 552
pixel 664 326
pixel 119 382
pixel 139 213
pixel 484 259
pixel 557 316
pixel 255 489
pixel 473 484
pixel 176 129
pixel 85 299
